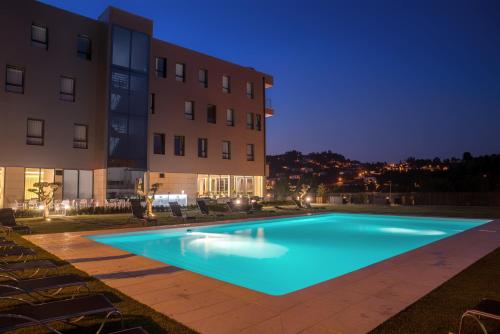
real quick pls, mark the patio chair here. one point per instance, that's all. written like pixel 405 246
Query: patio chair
pixel 40 287
pixel 487 308
pixel 13 268
pixel 8 222
pixel 139 212
pixel 31 314
pixel 177 211
pixel 204 208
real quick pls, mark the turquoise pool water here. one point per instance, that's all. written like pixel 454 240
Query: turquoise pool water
pixel 279 256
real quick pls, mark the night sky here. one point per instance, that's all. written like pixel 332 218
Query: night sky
pixel 373 80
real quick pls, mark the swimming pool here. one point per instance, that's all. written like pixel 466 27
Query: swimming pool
pixel 282 255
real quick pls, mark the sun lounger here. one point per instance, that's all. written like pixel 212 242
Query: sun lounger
pixel 486 309
pixel 204 208
pixel 30 314
pixel 40 287
pixel 20 251
pixel 177 211
pixel 135 330
pixel 13 268
pixel 8 222
pixel 139 212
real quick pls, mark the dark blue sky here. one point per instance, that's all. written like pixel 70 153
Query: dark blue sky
pixel 373 80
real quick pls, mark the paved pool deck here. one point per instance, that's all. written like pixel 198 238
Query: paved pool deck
pixel 354 303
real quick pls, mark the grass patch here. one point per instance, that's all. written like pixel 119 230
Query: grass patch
pixel 440 310
pixel 134 313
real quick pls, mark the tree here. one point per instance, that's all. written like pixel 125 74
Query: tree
pixel 304 188
pixel 45 192
pixel 321 192
pixel 149 197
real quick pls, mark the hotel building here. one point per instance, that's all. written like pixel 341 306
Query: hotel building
pixel 97 104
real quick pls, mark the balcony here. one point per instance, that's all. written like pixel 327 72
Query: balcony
pixel 269 111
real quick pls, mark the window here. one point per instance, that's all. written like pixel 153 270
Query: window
pixel 83 47
pixel 250 155
pixel 80 136
pixel 14 79
pixel 202 147
pixel 226 84
pixel 180 72
pixel 179 145
pixel 226 150
pixel 250 90
pixel 250 124
pixel 230 117
pixel 258 122
pixel 211 114
pixel 67 92
pixel 159 143
pixel 35 132
pixel 161 67
pixel 189 110
pixel 203 77
pixel 39 36
pixel 152 102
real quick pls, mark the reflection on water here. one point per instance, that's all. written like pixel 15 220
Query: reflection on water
pixel 239 244
pixel 410 231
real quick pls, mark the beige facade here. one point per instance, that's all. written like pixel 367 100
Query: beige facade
pixel 48 134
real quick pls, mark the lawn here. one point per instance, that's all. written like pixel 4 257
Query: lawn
pixel 437 312
pixel 135 313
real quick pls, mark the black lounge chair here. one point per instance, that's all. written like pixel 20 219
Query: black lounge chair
pixel 8 222
pixel 487 309
pixel 7 243
pixel 41 287
pixel 177 211
pixel 139 212
pixel 13 268
pixel 204 208
pixel 20 251
pixel 43 314
pixel 135 330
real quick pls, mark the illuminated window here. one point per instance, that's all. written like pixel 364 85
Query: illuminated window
pixel 211 114
pixel 33 176
pixel 14 79
pixel 80 137
pixel 39 36
pixel 35 132
pixel 226 84
pixel 180 72
pixel 226 150
pixel 230 117
pixel 203 77
pixel 84 47
pixel 250 90
pixel 189 110
pixel 250 153
pixel 67 91
pixel 179 145
pixel 161 67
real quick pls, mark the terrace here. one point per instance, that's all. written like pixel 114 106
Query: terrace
pixel 454 274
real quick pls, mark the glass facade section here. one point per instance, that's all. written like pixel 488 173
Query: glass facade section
pixel 128 108
pixel 230 186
